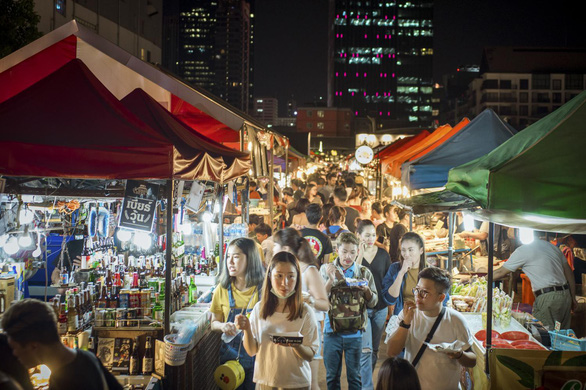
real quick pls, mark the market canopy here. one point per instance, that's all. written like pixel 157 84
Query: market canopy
pixel 121 73
pixel 193 148
pixel 386 155
pixel 69 125
pixel 535 179
pixel 387 150
pixel 439 136
pixel 477 138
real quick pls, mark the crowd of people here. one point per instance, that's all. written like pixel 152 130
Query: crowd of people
pixel 333 233
pixel 337 270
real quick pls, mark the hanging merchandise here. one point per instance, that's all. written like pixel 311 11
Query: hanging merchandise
pixel 195 196
pixel 138 208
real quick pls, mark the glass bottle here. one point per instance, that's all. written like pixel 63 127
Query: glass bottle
pixel 147 360
pixel 134 367
pixel 72 319
pixel 62 321
pixel 157 309
pixel 192 290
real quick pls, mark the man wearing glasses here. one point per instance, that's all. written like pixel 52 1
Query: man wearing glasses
pixel 436 369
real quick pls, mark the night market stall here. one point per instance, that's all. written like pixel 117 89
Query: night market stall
pixel 477 138
pixel 534 181
pixel 75 152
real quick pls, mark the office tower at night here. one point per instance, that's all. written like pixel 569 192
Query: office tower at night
pixel 380 59
pixel 210 45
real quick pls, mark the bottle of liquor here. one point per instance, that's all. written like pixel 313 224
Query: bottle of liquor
pixel 134 367
pixel 62 321
pixel 103 300
pixel 114 302
pixel 157 309
pixel 72 319
pixel 192 290
pixel 147 360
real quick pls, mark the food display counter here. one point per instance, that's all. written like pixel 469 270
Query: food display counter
pixel 476 378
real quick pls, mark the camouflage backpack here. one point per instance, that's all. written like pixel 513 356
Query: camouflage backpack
pixel 347 312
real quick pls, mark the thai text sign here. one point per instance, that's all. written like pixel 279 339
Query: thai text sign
pixel 139 206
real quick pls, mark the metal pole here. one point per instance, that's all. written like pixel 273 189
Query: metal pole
pixel 168 255
pixel 489 294
pixel 242 135
pixel 271 186
pixel 287 166
pixel 450 241
pixel 221 221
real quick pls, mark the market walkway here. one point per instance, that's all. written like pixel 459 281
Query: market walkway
pixel 382 355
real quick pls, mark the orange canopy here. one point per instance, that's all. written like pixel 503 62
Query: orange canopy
pixel 439 136
pixel 400 144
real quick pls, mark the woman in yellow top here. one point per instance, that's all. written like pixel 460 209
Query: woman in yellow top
pixel 238 290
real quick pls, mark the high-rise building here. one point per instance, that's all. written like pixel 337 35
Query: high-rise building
pixel 209 43
pixel 380 59
pixel 266 109
pixel 133 25
pixel 524 84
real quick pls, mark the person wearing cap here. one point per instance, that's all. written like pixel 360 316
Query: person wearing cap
pixel 551 278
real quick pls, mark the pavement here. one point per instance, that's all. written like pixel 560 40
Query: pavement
pixel 382 355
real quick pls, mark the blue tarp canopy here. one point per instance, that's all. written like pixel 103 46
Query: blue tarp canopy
pixel 479 137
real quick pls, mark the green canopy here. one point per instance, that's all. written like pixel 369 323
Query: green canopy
pixel 535 179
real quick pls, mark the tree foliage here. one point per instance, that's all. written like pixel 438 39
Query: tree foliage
pixel 18 25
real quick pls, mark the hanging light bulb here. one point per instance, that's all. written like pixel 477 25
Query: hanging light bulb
pixel 526 236
pixel 468 222
pixel 26 216
pixel 124 235
pixel 25 241
pixel 4 239
pixel 11 246
pixel 37 252
pixel 142 240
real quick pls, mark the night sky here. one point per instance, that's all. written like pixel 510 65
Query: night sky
pixel 291 38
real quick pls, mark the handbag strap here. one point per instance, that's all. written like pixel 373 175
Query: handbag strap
pixel 429 337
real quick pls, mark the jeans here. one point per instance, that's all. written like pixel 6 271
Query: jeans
pixel 334 346
pixel 370 343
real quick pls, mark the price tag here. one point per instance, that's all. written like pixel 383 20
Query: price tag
pixel 558 326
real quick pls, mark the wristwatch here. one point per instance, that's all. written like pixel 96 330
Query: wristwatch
pixel 404 325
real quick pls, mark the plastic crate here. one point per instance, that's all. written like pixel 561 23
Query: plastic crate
pixel 560 341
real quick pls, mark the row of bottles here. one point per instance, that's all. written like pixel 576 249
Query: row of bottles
pixel 147 360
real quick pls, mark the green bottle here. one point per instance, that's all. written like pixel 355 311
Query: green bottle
pixel 157 309
pixel 192 290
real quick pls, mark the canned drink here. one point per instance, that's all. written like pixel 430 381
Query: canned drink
pixel 134 298
pixel 100 317
pixel 110 318
pixel 145 303
pixel 124 299
pixel 131 317
pixel 121 317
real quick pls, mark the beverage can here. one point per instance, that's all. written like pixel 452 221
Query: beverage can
pixel 131 317
pixel 134 298
pixel 121 317
pixel 124 299
pixel 100 317
pixel 110 318
pixel 145 303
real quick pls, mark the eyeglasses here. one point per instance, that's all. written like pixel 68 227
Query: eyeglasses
pixel 422 293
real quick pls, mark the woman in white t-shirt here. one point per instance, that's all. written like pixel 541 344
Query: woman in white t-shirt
pixel 312 284
pixel 281 311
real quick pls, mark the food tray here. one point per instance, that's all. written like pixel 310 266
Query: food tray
pixel 560 341
pixel 286 338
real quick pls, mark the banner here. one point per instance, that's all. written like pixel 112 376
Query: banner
pixel 531 369
pixel 139 205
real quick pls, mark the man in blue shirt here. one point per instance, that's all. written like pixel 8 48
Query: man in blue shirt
pixel 348 344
